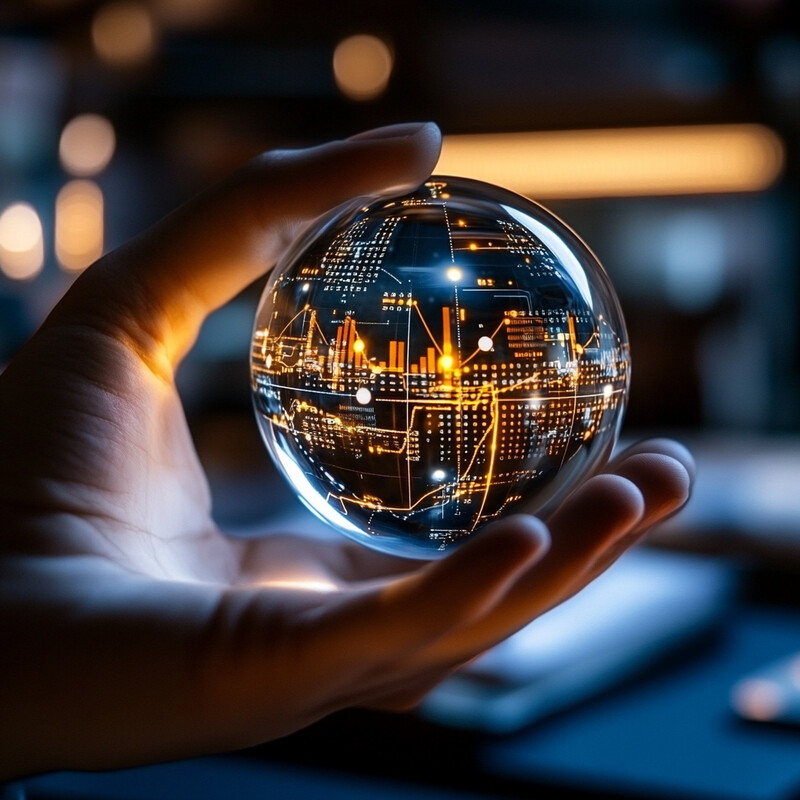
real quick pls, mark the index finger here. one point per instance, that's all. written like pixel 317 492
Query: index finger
pixel 163 284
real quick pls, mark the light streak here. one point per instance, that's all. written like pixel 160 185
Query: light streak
pixel 620 162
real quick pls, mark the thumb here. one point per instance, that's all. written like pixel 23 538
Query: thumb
pixel 160 287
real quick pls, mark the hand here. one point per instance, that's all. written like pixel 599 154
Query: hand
pixel 133 630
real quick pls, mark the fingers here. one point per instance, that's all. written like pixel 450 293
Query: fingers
pixel 601 511
pixel 390 623
pixel 451 610
pixel 386 647
pixel 658 445
pixel 475 577
pixel 664 471
pixel 665 483
pixel 163 284
pixel 593 527
pixel 599 514
pixel 589 533
pixel 410 635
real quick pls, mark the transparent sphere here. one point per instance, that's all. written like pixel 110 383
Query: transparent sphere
pixel 430 362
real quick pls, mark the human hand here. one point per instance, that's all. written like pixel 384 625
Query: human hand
pixel 133 629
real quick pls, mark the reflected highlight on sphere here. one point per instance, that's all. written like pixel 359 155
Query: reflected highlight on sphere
pixel 428 363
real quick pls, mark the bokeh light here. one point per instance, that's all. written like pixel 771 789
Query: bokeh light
pixel 362 66
pixel 79 225
pixel 758 699
pixel 124 33
pixel 87 145
pixel 21 242
pixel 620 162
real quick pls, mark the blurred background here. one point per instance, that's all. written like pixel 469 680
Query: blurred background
pixel 666 133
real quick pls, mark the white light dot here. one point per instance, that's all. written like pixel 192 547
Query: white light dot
pixel 87 144
pixel 21 242
pixel 608 390
pixel 20 228
pixel 438 475
pixel 485 343
pixel 454 274
pixel 363 395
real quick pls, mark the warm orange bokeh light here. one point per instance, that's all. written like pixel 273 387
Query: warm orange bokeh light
pixel 79 225
pixel 362 66
pixel 620 162
pixel 87 144
pixel 123 33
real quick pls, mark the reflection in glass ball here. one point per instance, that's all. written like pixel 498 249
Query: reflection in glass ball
pixel 426 363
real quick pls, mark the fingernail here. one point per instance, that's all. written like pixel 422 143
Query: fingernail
pixel 402 130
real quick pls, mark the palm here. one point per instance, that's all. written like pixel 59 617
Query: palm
pixel 123 469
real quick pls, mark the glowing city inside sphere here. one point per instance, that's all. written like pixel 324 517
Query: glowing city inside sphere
pixel 426 363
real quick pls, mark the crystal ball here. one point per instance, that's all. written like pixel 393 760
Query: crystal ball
pixel 423 364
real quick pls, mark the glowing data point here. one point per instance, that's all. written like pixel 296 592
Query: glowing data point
pixel 454 274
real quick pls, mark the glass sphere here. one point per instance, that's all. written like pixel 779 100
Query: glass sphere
pixel 424 364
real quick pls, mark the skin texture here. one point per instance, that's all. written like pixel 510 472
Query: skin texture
pixel 133 629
